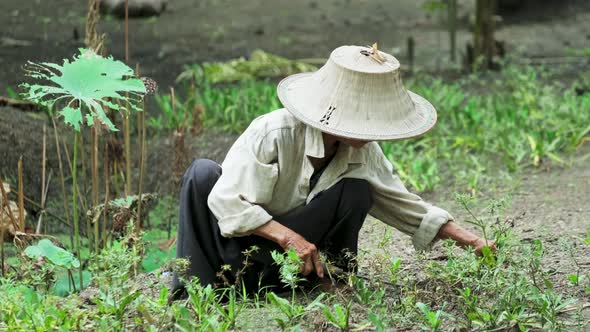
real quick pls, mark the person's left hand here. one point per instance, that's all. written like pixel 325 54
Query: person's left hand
pixel 480 243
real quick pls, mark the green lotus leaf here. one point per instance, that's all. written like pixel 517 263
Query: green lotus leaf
pixel 85 85
pixel 54 254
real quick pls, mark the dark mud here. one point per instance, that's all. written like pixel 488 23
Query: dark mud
pixel 195 31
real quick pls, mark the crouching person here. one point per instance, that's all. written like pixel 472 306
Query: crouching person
pixel 305 177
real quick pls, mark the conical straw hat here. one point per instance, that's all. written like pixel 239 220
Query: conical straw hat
pixel 358 94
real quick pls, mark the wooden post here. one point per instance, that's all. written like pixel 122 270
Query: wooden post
pixel 452 21
pixel 483 35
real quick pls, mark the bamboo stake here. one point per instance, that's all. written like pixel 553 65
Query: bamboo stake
pixel 21 201
pixel 62 180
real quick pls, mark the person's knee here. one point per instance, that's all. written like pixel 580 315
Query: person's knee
pixel 203 172
pixel 357 193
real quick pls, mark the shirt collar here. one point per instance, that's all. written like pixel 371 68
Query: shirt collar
pixel 314 142
pixel 314 147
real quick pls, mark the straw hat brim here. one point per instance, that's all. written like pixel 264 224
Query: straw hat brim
pixel 423 108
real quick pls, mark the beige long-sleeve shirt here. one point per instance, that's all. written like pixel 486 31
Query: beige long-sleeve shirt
pixel 267 171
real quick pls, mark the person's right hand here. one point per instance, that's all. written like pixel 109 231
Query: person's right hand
pixel 307 251
pixel 288 238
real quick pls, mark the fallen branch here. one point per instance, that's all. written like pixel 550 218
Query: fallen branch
pixel 22 105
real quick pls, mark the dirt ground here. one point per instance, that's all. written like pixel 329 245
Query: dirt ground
pixel 192 31
pixel 207 30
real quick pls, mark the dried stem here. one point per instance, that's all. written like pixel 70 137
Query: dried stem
pixel 95 184
pixel 6 205
pixel 93 40
pixel 38 205
pixel 142 149
pixel 21 200
pixel 141 124
pixel 127 31
pixel 62 180
pixel 106 193
pixel 127 152
pixel 42 205
pixel 127 128
pixel 81 198
pixel 43 192
pixel 75 205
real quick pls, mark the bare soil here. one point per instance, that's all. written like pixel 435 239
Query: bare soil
pixel 206 30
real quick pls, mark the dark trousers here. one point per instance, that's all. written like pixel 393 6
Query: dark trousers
pixel 331 221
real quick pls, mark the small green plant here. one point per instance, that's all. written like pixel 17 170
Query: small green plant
pixel 177 117
pixel 289 265
pixel 432 319
pixel 338 315
pixel 116 305
pixel 367 295
pixel 55 256
pixel 293 312
pixel 393 269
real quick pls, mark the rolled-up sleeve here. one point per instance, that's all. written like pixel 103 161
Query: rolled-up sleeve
pixel 396 206
pixel 247 182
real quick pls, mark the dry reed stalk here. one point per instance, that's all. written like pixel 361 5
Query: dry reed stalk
pixel 127 31
pixel 93 40
pixel 142 149
pixel 42 206
pixel 21 200
pixel 62 180
pixel 138 127
pixel 126 125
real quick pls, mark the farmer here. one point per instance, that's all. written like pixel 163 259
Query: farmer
pixel 306 176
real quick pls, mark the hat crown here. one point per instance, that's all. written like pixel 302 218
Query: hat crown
pixel 359 94
pixel 359 59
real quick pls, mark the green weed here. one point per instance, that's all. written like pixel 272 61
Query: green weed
pixel 502 124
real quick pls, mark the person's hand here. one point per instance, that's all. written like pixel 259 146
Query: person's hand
pixel 307 251
pixel 287 238
pixel 480 243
